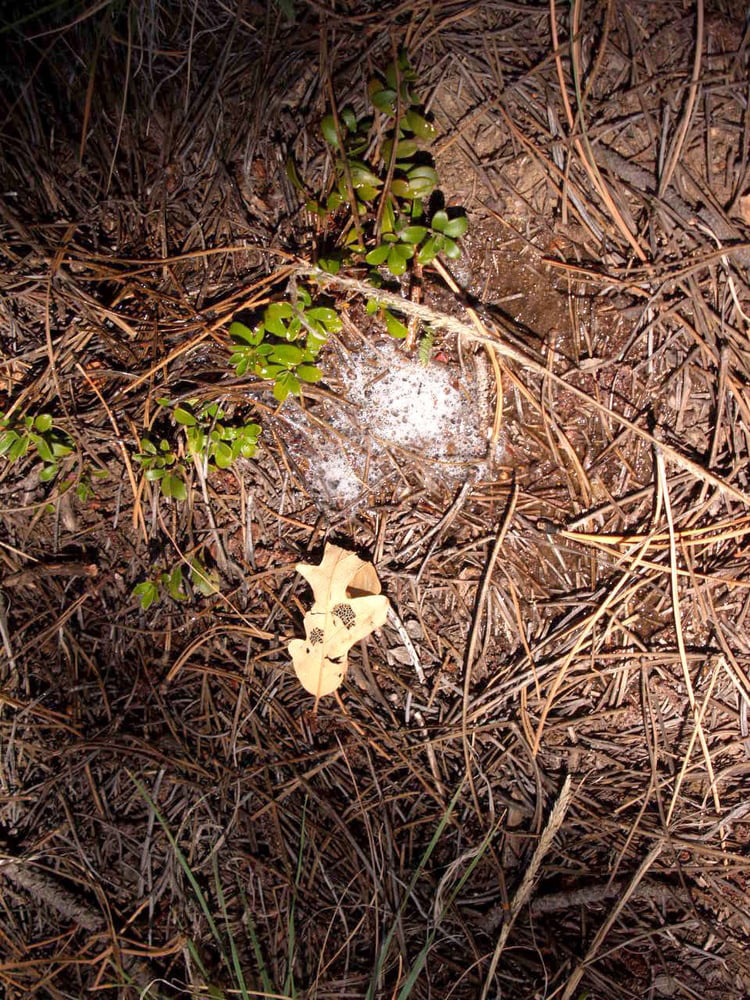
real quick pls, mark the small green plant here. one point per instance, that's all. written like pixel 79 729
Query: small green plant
pixel 391 199
pixel 160 465
pixel 172 583
pixel 19 434
pixel 285 344
pixel 208 435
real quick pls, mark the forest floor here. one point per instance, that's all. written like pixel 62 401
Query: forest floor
pixel 533 781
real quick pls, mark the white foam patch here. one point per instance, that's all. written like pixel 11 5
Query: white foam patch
pixel 431 411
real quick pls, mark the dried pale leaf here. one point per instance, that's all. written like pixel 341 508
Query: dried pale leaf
pixel 337 619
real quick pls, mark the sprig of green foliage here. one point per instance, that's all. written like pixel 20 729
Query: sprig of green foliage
pixel 160 465
pixel 171 583
pixel 285 344
pixel 19 434
pixel 208 435
pixel 393 196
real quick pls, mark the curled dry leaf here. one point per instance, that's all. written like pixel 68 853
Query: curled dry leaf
pixel 348 606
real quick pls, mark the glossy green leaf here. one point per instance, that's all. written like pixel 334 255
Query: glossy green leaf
pixel 429 251
pixel 420 126
pixel 184 417
pixel 286 354
pixel 456 227
pixel 222 455
pixel 238 331
pixel 413 234
pixel 173 487
pixel 451 249
pixel 309 373
pixel 328 128
pixel 327 316
pixel 440 220
pixel 43 422
pixel 394 326
pixel 379 255
pixel 286 383
pixel 396 263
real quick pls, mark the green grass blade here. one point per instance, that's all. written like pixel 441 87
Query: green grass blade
pixel 385 947
pixel 184 864
pixel 239 976
pixel 421 958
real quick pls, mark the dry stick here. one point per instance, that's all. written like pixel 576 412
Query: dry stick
pixel 527 883
pixel 682 131
pixel 601 934
pixel 446 322
pixel 674 584
pixel 471 648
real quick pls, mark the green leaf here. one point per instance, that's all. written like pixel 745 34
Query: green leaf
pixel 238 331
pixel 47 473
pixel 147 592
pixel 274 316
pixel 18 449
pixel 60 448
pixel 396 264
pixel 362 176
pixel 419 125
pixel 440 220
pixel 43 448
pixel 184 417
pixel 331 265
pixel 429 251
pixel 413 234
pixel 268 371
pixel 205 581
pixel 222 455
pixel 286 354
pixel 286 383
pixel 451 250
pixel 384 100
pixel 309 373
pixel 349 118
pixel 379 255
pixel 394 326
pixel 456 227
pixel 422 181
pixel 327 316
pixel 43 423
pixel 174 584
pixel 328 128
pixel 371 307
pixel 173 487
pixel 6 441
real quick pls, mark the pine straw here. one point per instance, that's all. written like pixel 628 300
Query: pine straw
pixel 581 611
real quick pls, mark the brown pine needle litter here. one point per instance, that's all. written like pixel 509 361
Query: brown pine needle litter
pixel 533 781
